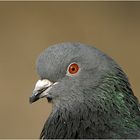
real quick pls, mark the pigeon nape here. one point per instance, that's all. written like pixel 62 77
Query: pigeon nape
pixel 90 94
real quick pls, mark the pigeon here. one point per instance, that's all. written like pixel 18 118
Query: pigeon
pixel 90 94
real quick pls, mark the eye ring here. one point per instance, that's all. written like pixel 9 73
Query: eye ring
pixel 73 68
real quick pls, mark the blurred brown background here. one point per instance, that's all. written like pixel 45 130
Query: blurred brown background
pixel 26 28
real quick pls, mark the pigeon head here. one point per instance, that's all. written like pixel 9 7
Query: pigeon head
pixel 67 70
pixel 91 95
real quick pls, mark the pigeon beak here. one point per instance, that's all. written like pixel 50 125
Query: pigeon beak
pixel 40 90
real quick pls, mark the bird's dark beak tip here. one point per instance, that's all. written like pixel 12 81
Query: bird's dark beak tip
pixel 35 96
pixel 32 99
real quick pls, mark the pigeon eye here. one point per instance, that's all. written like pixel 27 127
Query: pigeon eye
pixel 73 68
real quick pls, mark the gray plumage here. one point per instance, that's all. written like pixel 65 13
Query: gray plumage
pixel 96 102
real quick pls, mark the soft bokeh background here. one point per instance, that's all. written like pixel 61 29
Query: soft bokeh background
pixel 27 28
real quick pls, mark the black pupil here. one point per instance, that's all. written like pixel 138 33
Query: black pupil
pixel 73 69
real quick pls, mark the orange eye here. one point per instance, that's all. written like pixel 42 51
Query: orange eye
pixel 73 68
